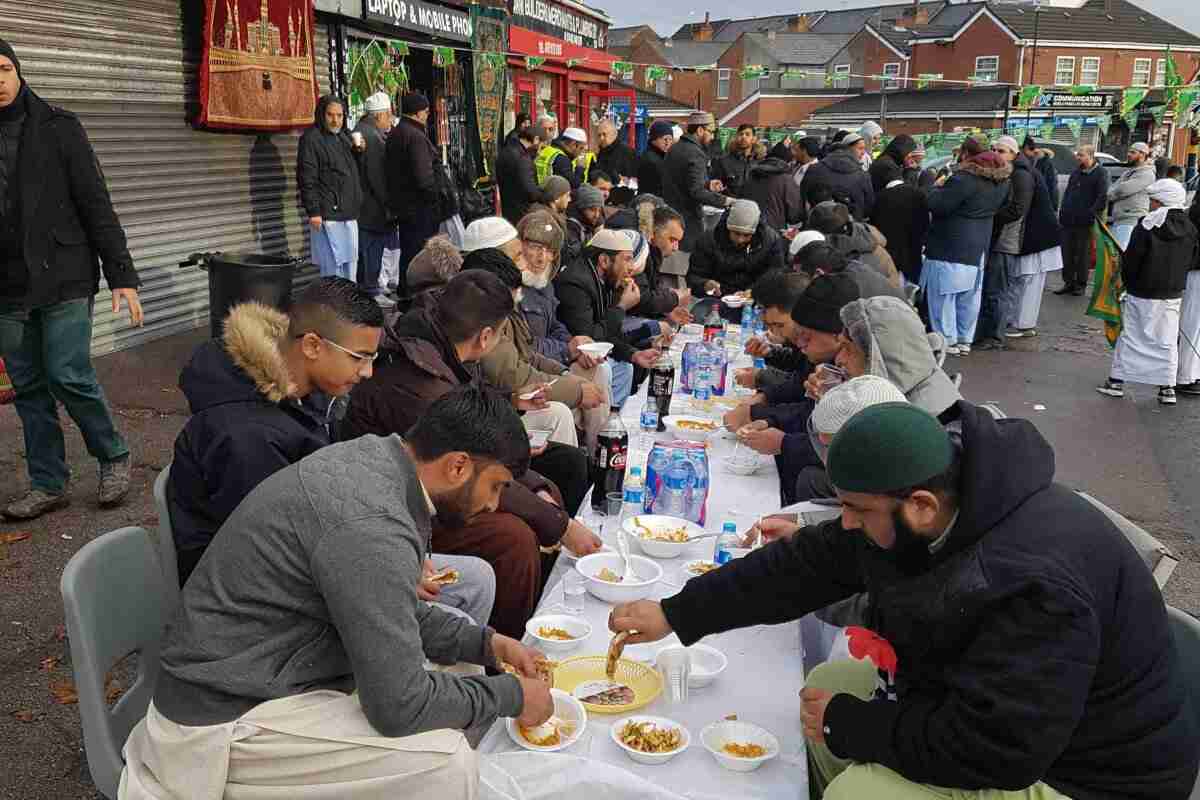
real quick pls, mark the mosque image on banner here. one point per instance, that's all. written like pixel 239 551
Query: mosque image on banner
pixel 490 42
pixel 256 69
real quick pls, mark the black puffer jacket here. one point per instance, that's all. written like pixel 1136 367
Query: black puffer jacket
pixel 733 170
pixel 773 188
pixel 890 165
pixel 1157 261
pixel 736 268
pixel 327 170
pixel 650 171
pixel 685 188
pixel 517 179
pixel 1042 230
pixel 617 160
pixel 411 161
pixel 839 176
pixel 67 227
pixel 1033 646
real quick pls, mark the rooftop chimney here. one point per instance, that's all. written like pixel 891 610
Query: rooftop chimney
pixel 799 24
pixel 913 17
pixel 703 32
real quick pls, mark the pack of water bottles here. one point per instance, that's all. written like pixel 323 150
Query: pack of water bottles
pixel 677 480
pixel 707 361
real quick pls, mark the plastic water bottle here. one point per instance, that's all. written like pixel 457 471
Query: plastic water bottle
pixel 635 487
pixel 760 325
pixel 649 419
pixel 672 500
pixel 747 323
pixel 760 362
pixel 726 542
pixel 702 383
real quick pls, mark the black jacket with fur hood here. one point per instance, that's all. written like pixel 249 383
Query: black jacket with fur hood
pixel 246 425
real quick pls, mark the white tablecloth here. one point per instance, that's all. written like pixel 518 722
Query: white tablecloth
pixel 761 684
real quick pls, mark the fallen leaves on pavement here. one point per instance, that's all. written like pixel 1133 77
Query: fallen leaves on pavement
pixel 25 716
pixel 14 537
pixel 60 632
pixel 112 690
pixel 64 692
pixel 50 662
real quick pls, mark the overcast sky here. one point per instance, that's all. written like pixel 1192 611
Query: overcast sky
pixel 667 15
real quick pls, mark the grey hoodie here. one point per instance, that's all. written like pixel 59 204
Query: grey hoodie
pixel 1127 195
pixel 893 337
pixel 311 584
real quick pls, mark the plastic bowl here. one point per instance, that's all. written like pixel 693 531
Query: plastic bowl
pixel 566 708
pixel 706 664
pixel 717 734
pixel 655 547
pixel 650 758
pixel 685 572
pixel 742 466
pixel 575 626
pixel 647 572
pixel 597 349
pixel 691 434
pixel 734 300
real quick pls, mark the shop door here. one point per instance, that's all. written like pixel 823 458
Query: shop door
pixel 595 103
pixel 527 98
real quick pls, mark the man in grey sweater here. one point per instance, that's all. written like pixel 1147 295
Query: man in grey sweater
pixel 297 656
pixel 1127 196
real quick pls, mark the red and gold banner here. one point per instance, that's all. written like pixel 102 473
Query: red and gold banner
pixel 256 69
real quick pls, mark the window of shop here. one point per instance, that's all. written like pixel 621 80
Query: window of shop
pixel 841 76
pixel 723 76
pixel 1141 72
pixel 987 68
pixel 892 69
pixel 1160 73
pixel 1064 70
pixel 1089 71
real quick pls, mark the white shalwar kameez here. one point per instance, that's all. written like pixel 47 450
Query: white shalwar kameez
pixel 1148 349
pixel 1028 285
pixel 1189 332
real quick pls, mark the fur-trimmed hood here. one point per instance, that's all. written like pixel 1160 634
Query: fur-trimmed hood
pixel 987 166
pixel 246 364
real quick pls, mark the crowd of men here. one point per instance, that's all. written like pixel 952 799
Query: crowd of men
pixel 363 526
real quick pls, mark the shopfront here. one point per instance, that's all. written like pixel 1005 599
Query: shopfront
pixel 1066 117
pixel 572 81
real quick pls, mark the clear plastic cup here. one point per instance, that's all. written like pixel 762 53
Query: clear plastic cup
pixel 675 666
pixel 574 589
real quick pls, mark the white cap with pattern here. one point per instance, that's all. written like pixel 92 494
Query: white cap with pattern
pixel 842 402
pixel 488 232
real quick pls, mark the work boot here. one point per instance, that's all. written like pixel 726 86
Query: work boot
pixel 34 503
pixel 114 480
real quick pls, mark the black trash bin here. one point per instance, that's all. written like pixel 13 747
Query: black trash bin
pixel 237 277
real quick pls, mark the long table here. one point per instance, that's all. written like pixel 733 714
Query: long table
pixel 761 683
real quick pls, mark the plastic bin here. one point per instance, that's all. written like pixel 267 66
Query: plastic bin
pixel 238 277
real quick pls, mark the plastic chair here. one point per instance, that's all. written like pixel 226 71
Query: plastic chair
pixel 166 539
pixel 1185 630
pixel 115 604
pixel 1158 557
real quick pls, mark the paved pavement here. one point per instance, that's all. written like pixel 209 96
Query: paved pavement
pixel 1132 453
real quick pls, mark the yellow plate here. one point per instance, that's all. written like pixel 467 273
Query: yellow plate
pixel 645 681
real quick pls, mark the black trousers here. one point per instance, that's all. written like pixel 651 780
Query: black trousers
pixel 414 233
pixel 1076 247
pixel 568 467
pixel 991 307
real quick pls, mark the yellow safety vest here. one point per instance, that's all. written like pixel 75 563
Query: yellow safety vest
pixel 585 161
pixel 544 163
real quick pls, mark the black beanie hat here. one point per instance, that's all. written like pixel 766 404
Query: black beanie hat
pixel 7 51
pixel 413 103
pixel 495 261
pixel 820 307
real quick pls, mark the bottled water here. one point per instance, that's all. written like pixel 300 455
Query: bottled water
pixel 672 500
pixel 747 323
pixel 702 384
pixel 726 542
pixel 635 486
pixel 649 420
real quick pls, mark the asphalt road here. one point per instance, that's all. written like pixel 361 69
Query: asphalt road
pixel 1138 457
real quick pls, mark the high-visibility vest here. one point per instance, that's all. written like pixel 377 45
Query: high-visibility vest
pixel 544 163
pixel 585 161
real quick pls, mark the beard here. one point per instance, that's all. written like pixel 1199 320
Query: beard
pixel 535 281
pixel 910 552
pixel 454 508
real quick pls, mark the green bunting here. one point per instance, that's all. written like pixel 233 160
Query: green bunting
pixel 654 74
pixel 443 56
pixel 534 62
pixel 1184 99
pixel 1082 88
pixel 752 72
pixel 572 63
pixel 398 48
pixel 1075 125
pixel 828 79
pixel 925 78
pixel 1046 130
pixel 1027 96
pixel 622 70
pixel 795 74
pixel 1104 123
pixel 1130 98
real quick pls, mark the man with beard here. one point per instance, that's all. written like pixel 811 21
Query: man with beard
pixel 296 662
pixel 733 168
pixel 613 157
pixel 687 187
pixel 1017 646
pixel 650 168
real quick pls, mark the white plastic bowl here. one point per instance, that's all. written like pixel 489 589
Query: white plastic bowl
pixel 654 547
pixel 706 664
pixel 577 627
pixel 566 708
pixel 597 349
pixel 717 734
pixel 685 572
pixel 734 300
pixel 647 572
pixel 742 466
pixel 650 758
pixel 672 424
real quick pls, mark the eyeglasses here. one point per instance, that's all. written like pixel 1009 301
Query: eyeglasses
pixel 368 357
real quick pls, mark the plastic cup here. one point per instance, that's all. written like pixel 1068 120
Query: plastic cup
pixel 675 665
pixel 612 504
pixel 574 588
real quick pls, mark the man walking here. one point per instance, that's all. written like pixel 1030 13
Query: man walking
pixel 412 186
pixel 327 172
pixel 57 227
pixel 1082 203
pixel 1128 195
pixel 686 185
pixel 376 224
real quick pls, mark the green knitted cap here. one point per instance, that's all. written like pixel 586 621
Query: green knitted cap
pixel 887 447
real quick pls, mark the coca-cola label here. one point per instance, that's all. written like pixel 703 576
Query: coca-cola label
pixel 617 460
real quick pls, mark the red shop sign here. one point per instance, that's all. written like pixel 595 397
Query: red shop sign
pixel 532 43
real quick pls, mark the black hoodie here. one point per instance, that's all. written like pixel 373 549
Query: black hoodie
pixel 840 176
pixel 327 170
pixel 773 188
pixel 1157 261
pixel 890 165
pixel 1033 645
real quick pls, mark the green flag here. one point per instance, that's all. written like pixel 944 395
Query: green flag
pixel 655 73
pixel 621 70
pixel 1104 123
pixel 1131 119
pixel 1130 99
pixel 1075 125
pixel 398 48
pixel 1082 88
pixel 574 62
pixel 1026 96
pixel 534 62
pixel 1158 112
pixel 1184 99
pixel 828 79
pixel 443 56
pixel 1173 79
pixel 752 71
pixel 1047 130
pixel 795 74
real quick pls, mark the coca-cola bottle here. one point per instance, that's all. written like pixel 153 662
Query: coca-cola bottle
pixel 662 384
pixel 608 460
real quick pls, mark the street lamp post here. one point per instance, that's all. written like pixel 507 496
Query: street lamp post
pixel 1037 15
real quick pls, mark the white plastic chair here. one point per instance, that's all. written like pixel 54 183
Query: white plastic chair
pixel 166 539
pixel 1185 630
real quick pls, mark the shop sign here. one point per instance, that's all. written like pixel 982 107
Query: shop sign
pixel 447 23
pixel 1066 101
pixel 532 43
pixel 560 21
